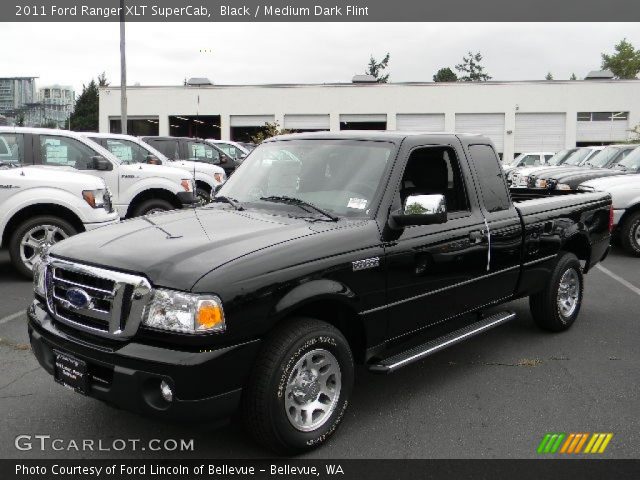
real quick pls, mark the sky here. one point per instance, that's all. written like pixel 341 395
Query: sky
pixel 257 53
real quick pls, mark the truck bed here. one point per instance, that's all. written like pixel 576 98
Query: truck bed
pixel 528 203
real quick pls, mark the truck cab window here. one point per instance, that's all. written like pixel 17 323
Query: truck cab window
pixel 201 152
pixel 65 152
pixel 11 149
pixel 127 152
pixel 494 189
pixel 433 170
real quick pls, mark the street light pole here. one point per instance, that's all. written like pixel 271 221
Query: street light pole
pixel 123 73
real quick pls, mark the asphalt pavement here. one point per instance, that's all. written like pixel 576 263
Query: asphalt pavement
pixel 494 396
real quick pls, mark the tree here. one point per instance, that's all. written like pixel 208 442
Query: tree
pixel 376 68
pixel 85 115
pixel 470 66
pixel 20 120
pixel 573 77
pixel 636 134
pixel 548 76
pixel 269 130
pixel 445 75
pixel 49 124
pixel 625 63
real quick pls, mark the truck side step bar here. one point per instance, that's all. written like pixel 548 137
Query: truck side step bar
pixel 393 363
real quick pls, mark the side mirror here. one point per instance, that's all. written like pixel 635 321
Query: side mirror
pixel 420 210
pixel 101 163
pixel 153 160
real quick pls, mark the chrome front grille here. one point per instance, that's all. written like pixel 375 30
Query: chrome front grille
pixel 94 300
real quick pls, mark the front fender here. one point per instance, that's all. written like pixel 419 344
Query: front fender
pixel 51 196
pixel 149 183
pixel 314 290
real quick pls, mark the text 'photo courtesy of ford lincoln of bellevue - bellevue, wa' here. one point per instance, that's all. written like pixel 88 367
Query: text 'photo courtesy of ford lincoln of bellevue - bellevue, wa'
pixel 285 240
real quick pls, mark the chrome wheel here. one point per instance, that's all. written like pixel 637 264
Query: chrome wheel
pixel 313 390
pixel 153 211
pixel 636 235
pixel 568 293
pixel 37 239
pixel 203 198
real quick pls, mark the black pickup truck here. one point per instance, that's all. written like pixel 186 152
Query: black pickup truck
pixel 323 250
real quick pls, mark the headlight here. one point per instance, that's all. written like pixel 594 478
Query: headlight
pixel 185 312
pixel 219 177
pixel 40 275
pixel 541 183
pixel 563 186
pixel 95 198
pixel 187 184
pixel 586 188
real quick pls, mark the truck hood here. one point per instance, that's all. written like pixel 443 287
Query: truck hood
pixel 613 182
pixel 46 176
pixel 576 178
pixel 175 249
pixel 190 166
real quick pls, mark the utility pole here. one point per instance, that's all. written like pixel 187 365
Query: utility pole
pixel 123 73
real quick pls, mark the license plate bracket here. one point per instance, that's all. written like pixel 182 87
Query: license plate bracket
pixel 71 372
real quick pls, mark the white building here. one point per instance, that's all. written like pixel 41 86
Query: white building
pixel 58 102
pixel 517 116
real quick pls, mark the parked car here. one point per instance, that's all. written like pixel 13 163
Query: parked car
pixel 625 194
pixel 193 150
pixel 600 165
pixel 377 248
pixel 569 158
pixel 234 149
pixel 131 150
pixel 39 207
pixel 528 159
pixel 137 189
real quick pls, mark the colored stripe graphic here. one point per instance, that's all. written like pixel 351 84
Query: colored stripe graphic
pixel 572 443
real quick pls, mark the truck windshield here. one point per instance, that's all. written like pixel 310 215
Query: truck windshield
pixel 577 157
pixel 560 157
pixel 601 159
pixel 631 162
pixel 341 177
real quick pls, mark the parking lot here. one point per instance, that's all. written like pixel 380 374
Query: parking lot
pixel 494 396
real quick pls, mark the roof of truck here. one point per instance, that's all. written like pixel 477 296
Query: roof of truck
pixel 389 135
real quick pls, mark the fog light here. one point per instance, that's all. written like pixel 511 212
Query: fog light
pixel 165 391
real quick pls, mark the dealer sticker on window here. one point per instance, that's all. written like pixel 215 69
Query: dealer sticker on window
pixel 359 203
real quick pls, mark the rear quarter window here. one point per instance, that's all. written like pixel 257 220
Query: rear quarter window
pixel 492 186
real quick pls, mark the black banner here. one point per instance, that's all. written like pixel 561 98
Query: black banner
pixel 323 469
pixel 319 11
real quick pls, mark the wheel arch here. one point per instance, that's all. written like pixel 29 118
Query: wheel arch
pixel 152 194
pixel 37 209
pixel 331 302
pixel 579 245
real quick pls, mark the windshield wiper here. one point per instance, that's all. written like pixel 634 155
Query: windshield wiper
pixel 300 203
pixel 231 201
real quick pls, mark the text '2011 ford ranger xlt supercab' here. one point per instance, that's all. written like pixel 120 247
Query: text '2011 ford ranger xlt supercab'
pixel 321 251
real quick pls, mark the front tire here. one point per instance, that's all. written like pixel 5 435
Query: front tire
pixel 300 386
pixel 34 234
pixel 151 206
pixel 203 197
pixel 630 234
pixel 557 306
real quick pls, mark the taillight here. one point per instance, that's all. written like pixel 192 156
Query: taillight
pixel 610 218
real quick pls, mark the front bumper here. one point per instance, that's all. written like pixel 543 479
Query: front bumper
pixel 206 384
pixel 187 199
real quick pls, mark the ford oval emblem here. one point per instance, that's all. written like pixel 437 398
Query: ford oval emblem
pixel 78 298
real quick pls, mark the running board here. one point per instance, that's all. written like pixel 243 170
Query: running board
pixel 393 363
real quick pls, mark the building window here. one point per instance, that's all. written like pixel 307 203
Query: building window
pixel 602 116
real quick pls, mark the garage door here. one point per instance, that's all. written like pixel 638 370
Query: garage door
pixel 363 117
pixel 306 122
pixel 540 132
pixel 251 120
pixel 603 131
pixel 488 124
pixel 427 122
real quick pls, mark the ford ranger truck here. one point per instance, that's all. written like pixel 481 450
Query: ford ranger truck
pixel 322 251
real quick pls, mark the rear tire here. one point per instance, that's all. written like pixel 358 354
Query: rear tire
pixel 630 234
pixel 31 235
pixel 557 306
pixel 300 386
pixel 151 206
